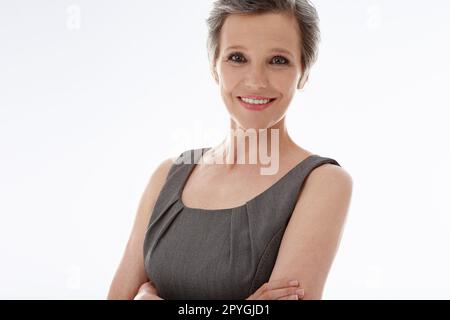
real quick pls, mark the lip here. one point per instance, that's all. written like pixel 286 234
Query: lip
pixel 256 97
pixel 256 107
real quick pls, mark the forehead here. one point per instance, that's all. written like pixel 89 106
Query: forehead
pixel 258 31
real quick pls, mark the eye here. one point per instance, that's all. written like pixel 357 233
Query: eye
pixel 237 57
pixel 282 59
pixel 233 55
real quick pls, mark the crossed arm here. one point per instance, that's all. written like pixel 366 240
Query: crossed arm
pixel 314 231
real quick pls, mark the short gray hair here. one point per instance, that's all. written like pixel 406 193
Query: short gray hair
pixel 304 12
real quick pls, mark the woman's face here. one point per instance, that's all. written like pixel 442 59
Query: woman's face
pixel 259 56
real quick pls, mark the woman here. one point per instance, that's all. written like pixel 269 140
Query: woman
pixel 226 231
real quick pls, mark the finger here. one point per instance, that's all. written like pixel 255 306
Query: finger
pixel 152 297
pixel 282 283
pixel 148 283
pixel 290 297
pixel 147 295
pixel 297 296
pixel 275 284
pixel 152 290
pixel 278 293
pixel 147 287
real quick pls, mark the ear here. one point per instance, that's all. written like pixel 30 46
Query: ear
pixel 302 81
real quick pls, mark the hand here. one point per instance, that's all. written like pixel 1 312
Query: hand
pixel 278 290
pixel 147 291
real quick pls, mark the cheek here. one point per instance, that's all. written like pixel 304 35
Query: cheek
pixel 284 82
pixel 229 78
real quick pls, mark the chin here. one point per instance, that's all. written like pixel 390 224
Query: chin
pixel 256 124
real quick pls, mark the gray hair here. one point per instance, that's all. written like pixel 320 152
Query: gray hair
pixel 304 12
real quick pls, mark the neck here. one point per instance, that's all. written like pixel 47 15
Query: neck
pixel 258 147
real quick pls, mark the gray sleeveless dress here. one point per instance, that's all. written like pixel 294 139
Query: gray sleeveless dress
pixel 193 253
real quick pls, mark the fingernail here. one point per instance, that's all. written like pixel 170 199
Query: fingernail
pixel 300 292
pixel 293 283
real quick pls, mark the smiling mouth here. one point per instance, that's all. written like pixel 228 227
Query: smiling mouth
pixel 256 101
pixel 256 105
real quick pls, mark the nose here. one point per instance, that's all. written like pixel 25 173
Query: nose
pixel 256 78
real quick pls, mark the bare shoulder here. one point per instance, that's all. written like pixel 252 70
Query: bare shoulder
pixel 159 175
pixel 153 187
pixel 330 178
pixel 151 192
pixel 327 191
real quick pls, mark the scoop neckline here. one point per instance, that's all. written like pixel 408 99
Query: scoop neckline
pixel 191 169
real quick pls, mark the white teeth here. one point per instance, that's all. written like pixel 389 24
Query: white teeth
pixel 253 101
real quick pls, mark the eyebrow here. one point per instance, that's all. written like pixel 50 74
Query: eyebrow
pixel 271 50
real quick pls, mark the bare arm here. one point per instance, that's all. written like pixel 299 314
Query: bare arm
pixel 130 274
pixel 312 236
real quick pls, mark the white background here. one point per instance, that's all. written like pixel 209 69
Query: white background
pixel 95 94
